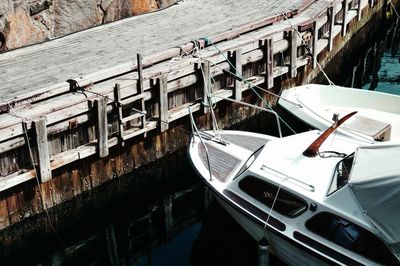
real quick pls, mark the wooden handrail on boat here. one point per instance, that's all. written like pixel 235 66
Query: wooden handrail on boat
pixel 312 150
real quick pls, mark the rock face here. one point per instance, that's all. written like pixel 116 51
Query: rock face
pixel 24 23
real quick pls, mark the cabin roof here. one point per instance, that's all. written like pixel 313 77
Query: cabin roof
pixel 283 159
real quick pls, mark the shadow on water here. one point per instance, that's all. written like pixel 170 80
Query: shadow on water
pixel 159 215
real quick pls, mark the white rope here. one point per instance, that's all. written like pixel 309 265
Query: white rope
pixel 250 85
pixel 273 204
pixel 24 120
pixel 308 49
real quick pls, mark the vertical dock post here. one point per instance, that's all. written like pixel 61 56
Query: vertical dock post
pixel 236 60
pixel 43 149
pixel 359 10
pixel 293 53
pixel 205 68
pixel 140 88
pixel 269 61
pixel 101 128
pixel 117 100
pixel 315 45
pixel 163 104
pixel 263 253
pixel 331 12
pixel 344 20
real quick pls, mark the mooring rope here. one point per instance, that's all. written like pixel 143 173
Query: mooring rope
pixel 308 48
pixel 273 205
pixel 24 120
pixel 249 84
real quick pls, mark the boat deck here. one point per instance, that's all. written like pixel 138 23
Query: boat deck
pixel 221 162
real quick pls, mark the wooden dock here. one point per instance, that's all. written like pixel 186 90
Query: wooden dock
pixel 131 83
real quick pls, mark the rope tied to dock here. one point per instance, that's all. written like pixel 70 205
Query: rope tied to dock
pixel 242 78
pixel 25 129
pixel 307 48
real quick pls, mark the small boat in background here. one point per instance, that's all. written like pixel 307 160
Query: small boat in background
pixel 317 198
pixel 377 118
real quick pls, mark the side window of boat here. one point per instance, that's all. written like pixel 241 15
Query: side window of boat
pixel 350 236
pixel 286 203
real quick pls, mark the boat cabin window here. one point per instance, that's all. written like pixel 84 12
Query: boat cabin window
pixel 249 161
pixel 342 173
pixel 350 236
pixel 286 203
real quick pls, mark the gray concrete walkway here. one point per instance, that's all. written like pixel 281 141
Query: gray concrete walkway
pixel 32 68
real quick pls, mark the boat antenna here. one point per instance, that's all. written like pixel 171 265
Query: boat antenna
pixel 312 150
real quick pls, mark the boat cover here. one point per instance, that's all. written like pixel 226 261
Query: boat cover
pixel 375 183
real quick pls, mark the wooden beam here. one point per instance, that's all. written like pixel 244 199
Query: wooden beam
pixel 102 126
pixel 205 69
pixel 163 103
pixel 140 89
pixel 43 149
pixel 118 106
pixel 331 12
pixel 315 45
pixel 269 62
pixel 293 53
pixel 140 73
pixel 359 10
pixel 344 20
pixel 235 58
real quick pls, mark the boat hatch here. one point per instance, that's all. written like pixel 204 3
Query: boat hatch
pixel 378 130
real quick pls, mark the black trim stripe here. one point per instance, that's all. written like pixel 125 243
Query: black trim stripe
pixel 318 246
pixel 324 249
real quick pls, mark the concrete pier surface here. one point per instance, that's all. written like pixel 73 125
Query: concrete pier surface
pixel 28 69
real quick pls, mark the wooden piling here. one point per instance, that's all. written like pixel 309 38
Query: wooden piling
pixel 293 53
pixel 163 103
pixel 43 149
pixel 269 62
pixel 331 12
pixel 236 61
pixel 101 126
pixel 345 9
pixel 315 45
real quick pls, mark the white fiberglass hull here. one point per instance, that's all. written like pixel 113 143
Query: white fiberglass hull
pixel 378 117
pixel 286 251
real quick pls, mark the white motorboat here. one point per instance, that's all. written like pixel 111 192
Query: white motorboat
pixel 318 198
pixel 377 120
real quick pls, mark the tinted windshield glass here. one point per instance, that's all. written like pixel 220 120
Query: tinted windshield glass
pixel 342 173
pixel 285 203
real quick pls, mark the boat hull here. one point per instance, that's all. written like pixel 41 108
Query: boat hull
pixel 377 118
pixel 284 249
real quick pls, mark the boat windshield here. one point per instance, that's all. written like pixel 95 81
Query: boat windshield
pixel 249 161
pixel 342 173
